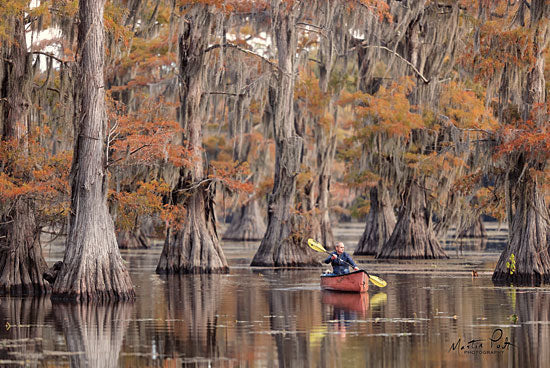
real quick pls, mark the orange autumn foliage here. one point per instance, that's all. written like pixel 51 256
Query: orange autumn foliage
pixel 146 136
pixel 30 172
pixel 389 111
pixel 465 109
pixel 145 200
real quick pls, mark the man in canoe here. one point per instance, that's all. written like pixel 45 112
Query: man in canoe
pixel 340 260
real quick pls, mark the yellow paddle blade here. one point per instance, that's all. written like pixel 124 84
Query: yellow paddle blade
pixel 377 281
pixel 316 246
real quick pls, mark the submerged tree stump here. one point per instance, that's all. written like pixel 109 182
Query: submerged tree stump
pixel 412 236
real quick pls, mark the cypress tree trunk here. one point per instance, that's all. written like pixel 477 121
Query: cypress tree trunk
pixel 476 230
pixel 281 245
pixel 325 225
pixel 21 260
pixel 528 229
pixel 529 240
pixel 412 236
pixel 132 239
pixel 247 223
pixel 92 267
pixel 380 223
pixel 195 248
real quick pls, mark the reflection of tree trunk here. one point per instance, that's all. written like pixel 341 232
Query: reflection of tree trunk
pixel 92 267
pixel 193 303
pixel 532 338
pixel 27 340
pixel 380 223
pixel 282 245
pixel 247 223
pixel 292 346
pixel 21 260
pixel 94 331
pixel 476 230
pixel 528 242
pixel 412 236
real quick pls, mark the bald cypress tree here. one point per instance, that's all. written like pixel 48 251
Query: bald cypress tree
pixel 92 267
pixel 195 247
pixel 21 260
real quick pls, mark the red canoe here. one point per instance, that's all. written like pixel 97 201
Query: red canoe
pixel 356 281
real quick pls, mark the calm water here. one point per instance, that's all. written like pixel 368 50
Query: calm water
pixel 427 316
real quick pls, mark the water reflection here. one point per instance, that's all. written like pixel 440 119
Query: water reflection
pixel 287 326
pixel 531 341
pixel 356 303
pixel 22 322
pixel 93 333
pixel 281 318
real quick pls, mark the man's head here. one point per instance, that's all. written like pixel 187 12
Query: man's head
pixel 339 247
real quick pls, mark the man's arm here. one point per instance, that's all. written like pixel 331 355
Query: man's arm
pixel 350 261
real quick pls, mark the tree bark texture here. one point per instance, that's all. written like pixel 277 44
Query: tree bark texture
pixel 195 248
pixel 94 333
pixel 92 267
pixel 247 223
pixel 412 236
pixel 529 240
pixel 281 245
pixel 132 239
pixel 380 222
pixel 21 260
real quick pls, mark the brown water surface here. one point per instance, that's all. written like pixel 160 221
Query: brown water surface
pixel 431 314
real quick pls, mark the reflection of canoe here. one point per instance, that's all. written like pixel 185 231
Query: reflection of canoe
pixel 356 281
pixel 357 302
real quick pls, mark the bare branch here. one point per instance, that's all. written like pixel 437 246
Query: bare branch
pixel 197 184
pixel 223 93
pixel 310 25
pixel 51 56
pixel 364 45
pixel 129 154
pixel 210 48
